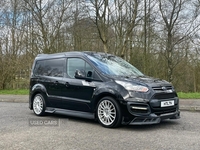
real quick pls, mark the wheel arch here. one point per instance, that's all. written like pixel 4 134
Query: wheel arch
pixel 118 98
pixel 37 89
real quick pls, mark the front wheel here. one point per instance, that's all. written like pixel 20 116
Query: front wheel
pixel 108 112
pixel 39 105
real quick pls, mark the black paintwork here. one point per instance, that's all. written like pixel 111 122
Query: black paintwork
pixel 79 96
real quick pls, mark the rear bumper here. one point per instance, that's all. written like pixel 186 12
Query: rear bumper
pixel 153 118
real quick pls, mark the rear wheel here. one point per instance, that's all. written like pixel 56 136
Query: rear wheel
pixel 39 105
pixel 108 112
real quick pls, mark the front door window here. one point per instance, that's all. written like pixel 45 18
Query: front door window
pixel 77 63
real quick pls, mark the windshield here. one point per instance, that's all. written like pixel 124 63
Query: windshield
pixel 113 65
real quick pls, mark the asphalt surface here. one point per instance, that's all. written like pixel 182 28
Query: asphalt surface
pixel 185 104
pixel 20 129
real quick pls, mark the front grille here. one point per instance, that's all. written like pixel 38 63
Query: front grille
pixel 162 88
pixel 163 93
pixel 158 110
pixel 164 96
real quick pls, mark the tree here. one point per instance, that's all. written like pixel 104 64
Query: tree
pixel 101 19
pixel 177 25
pixel 12 36
pixel 125 17
pixel 48 18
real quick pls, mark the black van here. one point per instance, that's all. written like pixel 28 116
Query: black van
pixel 99 86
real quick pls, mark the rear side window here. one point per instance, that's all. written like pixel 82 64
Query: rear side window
pixel 51 67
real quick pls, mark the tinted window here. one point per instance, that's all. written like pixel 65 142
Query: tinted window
pixel 76 63
pixel 53 67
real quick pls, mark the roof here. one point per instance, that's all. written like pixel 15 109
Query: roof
pixel 68 54
pixel 59 55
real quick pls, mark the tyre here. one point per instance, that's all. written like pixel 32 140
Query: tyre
pixel 109 113
pixel 39 105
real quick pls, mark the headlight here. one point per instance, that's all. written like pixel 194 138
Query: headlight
pixel 130 87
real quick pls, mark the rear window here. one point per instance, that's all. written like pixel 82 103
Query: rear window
pixel 51 67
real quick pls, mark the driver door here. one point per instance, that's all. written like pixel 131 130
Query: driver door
pixel 78 93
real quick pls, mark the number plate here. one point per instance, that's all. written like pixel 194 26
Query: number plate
pixel 167 103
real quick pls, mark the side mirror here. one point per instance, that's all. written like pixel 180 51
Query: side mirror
pixel 80 74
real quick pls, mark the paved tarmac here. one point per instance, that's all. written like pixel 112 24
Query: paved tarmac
pixel 185 104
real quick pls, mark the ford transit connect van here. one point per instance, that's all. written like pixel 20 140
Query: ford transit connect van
pixel 99 86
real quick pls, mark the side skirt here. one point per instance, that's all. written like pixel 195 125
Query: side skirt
pixel 73 113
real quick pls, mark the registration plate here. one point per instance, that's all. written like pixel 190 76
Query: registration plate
pixel 167 103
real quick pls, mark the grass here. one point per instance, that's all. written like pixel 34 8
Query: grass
pixel 26 92
pixel 14 92
pixel 189 95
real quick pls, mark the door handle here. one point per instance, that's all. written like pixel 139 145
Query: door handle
pixel 67 84
pixel 56 82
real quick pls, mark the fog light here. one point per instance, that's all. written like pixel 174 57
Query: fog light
pixel 139 108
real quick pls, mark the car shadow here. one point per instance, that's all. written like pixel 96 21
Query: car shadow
pixel 76 119
pixel 161 125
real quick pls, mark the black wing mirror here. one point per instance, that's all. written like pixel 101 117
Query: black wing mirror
pixel 80 74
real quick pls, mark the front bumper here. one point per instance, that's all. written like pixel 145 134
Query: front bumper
pixel 152 112
pixel 153 118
